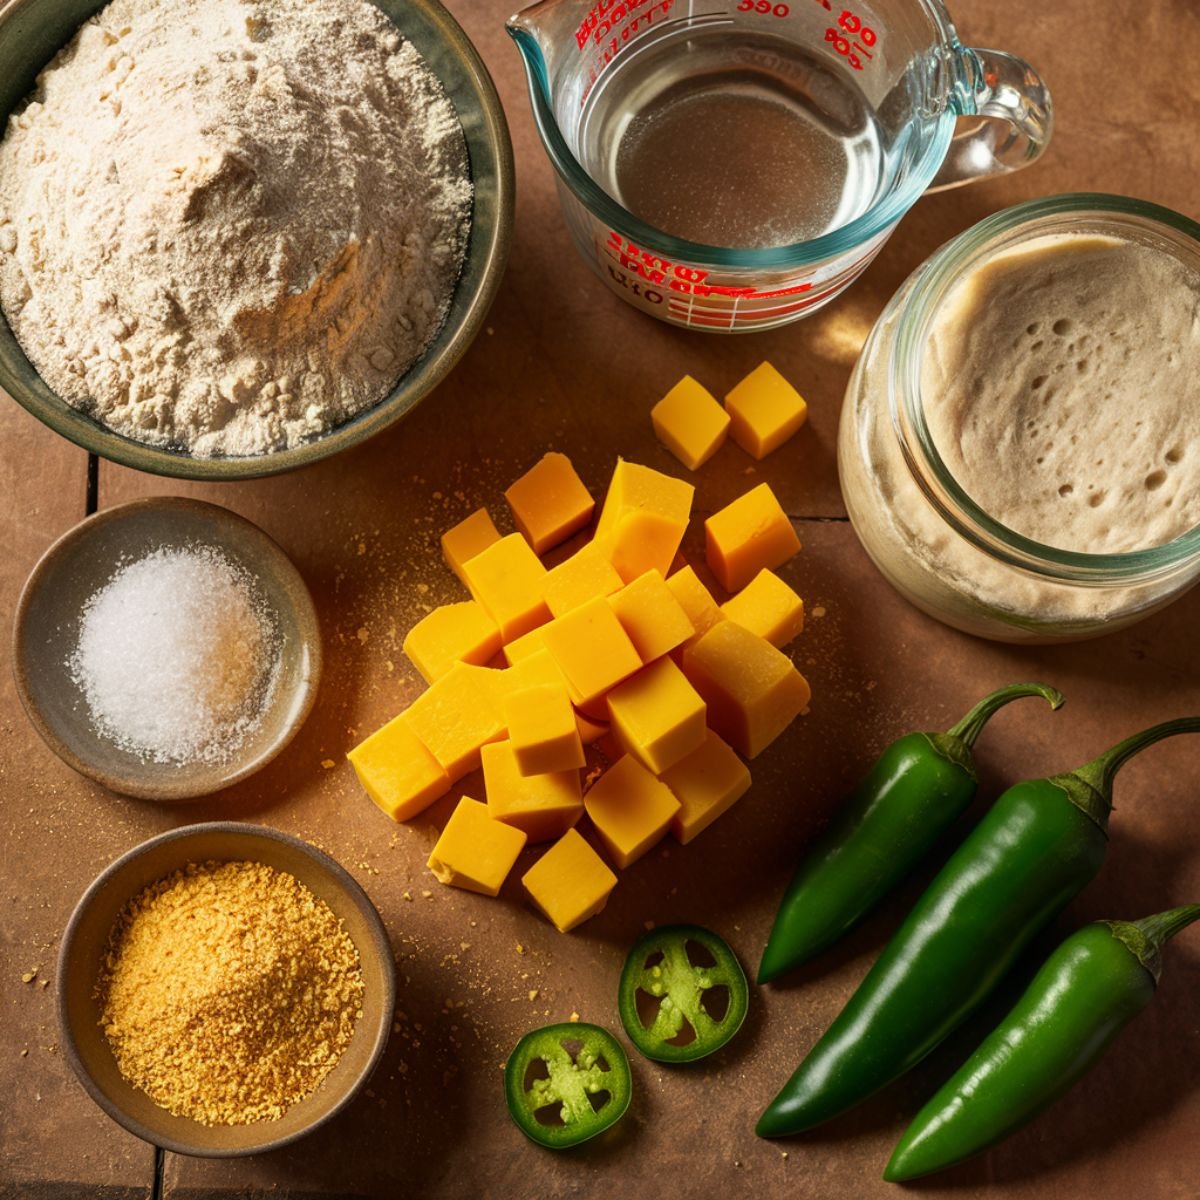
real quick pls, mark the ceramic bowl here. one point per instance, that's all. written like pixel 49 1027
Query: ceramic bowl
pixel 33 31
pixel 81 562
pixel 86 937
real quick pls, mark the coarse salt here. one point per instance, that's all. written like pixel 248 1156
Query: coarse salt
pixel 177 657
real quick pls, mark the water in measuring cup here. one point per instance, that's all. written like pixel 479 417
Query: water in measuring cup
pixel 733 139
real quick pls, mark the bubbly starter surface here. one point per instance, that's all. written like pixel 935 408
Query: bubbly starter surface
pixel 1061 385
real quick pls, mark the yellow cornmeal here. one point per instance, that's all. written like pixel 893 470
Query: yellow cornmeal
pixel 228 992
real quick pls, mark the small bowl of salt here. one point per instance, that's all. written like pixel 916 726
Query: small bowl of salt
pixel 166 648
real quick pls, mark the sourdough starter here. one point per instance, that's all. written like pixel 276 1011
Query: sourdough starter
pixel 1060 382
pixel 227 226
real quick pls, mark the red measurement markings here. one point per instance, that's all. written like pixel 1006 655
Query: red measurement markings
pixel 855 41
pixel 675 277
pixel 618 23
pixel 604 18
pixel 764 7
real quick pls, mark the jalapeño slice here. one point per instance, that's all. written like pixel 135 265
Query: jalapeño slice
pixel 683 994
pixel 566 1083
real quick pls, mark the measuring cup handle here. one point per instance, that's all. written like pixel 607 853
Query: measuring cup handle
pixel 1005 118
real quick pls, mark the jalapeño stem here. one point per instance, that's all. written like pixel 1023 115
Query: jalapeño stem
pixel 1146 938
pixel 970 727
pixel 1090 787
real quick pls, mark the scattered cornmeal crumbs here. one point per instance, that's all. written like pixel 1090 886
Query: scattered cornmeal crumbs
pixel 228 992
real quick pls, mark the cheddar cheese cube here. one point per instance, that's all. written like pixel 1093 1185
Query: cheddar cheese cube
pixel 586 574
pixel 543 806
pixel 752 690
pixel 453 633
pixel 768 607
pixel 707 784
pixel 651 615
pixel 456 716
pixel 765 411
pixel 507 579
pixel 524 646
pixel 695 600
pixel 590 732
pixel 467 539
pixel 643 541
pixel 747 535
pixel 592 649
pixel 475 852
pixel 657 716
pixel 690 423
pixel 630 810
pixel 542 732
pixel 499 683
pixel 398 770
pixel 570 882
pixel 537 668
pixel 549 502
pixel 643 520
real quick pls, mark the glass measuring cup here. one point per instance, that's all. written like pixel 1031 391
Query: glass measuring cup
pixel 876 90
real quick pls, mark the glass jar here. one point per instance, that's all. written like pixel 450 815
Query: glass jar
pixel 933 543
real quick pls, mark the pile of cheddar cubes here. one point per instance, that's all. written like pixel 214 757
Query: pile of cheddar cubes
pixel 620 644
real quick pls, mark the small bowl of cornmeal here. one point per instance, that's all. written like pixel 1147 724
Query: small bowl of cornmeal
pixel 166 648
pixel 224 989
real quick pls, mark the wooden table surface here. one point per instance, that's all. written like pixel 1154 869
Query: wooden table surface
pixel 564 365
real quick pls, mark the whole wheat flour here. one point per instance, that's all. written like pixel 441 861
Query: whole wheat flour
pixel 229 225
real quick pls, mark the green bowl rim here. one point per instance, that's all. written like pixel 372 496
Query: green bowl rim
pixel 433 367
pixel 379 945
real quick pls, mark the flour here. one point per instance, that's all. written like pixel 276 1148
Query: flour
pixel 227 226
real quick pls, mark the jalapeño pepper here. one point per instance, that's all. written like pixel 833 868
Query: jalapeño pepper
pixel 679 971
pixel 1035 849
pixel 567 1083
pixel 1097 981
pixel 921 784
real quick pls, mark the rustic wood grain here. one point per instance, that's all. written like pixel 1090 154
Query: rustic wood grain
pixel 565 365
pixel 55 833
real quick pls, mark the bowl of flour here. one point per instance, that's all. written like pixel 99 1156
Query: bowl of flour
pixel 238 236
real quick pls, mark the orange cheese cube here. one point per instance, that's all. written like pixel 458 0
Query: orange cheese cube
pixel 768 607
pixel 643 520
pixel 538 668
pixel 590 732
pixel 752 690
pixel 398 771
pixel 585 575
pixel 570 882
pixel 475 852
pixel 651 615
pixel 456 716
pixel 643 541
pixel 657 716
pixel 542 731
pixel 695 600
pixel 524 646
pixel 690 423
pixel 467 539
pixel 592 650
pixel 765 410
pixel 543 806
pixel 747 535
pixel 507 579
pixel 707 783
pixel 630 810
pixel 549 502
pixel 453 633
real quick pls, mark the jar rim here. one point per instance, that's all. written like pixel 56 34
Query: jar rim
pixel 934 280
